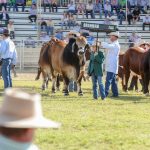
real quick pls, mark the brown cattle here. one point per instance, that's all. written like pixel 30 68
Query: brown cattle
pixel 135 61
pixel 65 59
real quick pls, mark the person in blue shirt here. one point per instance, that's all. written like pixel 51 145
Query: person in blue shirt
pixel 9 58
pixel 59 35
pixel 90 39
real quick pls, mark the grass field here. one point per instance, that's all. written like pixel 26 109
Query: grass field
pixel 114 124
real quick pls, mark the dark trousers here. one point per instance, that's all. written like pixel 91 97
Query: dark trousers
pixel 32 18
pixel 145 24
pixel 4 5
pixel 47 5
pixel 129 18
pixel 6 72
pixel 23 7
pixel 111 81
pixel 54 5
pixel 89 12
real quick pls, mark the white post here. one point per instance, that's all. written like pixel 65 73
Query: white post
pixel 126 21
pixel 38 18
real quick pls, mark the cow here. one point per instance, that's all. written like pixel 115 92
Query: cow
pixel 136 61
pixel 65 59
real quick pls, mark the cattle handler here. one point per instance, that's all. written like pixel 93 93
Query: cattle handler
pixel 112 61
pixel 9 58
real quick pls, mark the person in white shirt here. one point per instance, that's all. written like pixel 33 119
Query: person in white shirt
pixel 72 8
pixel 146 21
pixel 89 9
pixel 134 39
pixel 112 58
pixel 107 9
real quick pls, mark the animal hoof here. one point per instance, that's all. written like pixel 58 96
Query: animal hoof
pixel 147 94
pixel 36 79
pixel 80 94
pixel 66 94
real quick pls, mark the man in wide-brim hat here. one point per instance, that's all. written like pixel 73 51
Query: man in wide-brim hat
pixel 112 55
pixel 8 54
pixel 20 115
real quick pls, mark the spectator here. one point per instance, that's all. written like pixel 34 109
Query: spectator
pixel 136 14
pixel 114 5
pixel 142 4
pixel 72 8
pixel 89 9
pixel 64 20
pixel 54 5
pixel 114 21
pixel 3 4
pixel 134 39
pixel 122 3
pixel 29 42
pixel 133 3
pixel 98 8
pixel 59 35
pixel 11 29
pixel 33 14
pixel 71 20
pixel 47 3
pixel 12 3
pixel 20 116
pixel 43 25
pixel 146 21
pixel 121 16
pixel 77 28
pixel 50 27
pixel 80 9
pixel 129 17
pixel 44 37
pixel 4 17
pixel 20 3
pixel 107 9
pixel 96 72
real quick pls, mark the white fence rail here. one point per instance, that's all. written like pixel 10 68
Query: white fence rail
pixel 28 55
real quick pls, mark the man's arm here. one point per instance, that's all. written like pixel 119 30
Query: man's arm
pixel 14 59
pixel 107 46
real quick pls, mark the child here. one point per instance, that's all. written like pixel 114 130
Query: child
pixel 95 71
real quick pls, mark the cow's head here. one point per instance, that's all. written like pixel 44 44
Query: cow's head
pixel 80 46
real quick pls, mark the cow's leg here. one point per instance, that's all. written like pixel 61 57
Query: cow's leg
pixel 146 83
pixel 54 84
pixel 66 84
pixel 58 82
pixel 45 78
pixel 38 73
pixel 80 93
pixel 127 76
pixel 133 83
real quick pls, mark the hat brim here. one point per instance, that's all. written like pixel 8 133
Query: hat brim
pixel 40 122
pixel 114 35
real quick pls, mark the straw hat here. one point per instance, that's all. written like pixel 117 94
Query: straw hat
pixel 23 110
pixel 114 34
pixel 74 33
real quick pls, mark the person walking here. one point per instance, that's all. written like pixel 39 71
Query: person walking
pixel 112 57
pixel 20 116
pixel 95 71
pixel 9 58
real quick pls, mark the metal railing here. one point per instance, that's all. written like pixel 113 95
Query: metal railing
pixel 28 54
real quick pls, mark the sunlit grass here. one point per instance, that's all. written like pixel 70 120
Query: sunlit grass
pixel 114 124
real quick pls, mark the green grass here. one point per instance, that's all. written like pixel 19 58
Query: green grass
pixel 114 124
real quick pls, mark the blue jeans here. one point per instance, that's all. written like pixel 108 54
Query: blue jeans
pixel 95 80
pixel 6 73
pixel 72 86
pixel 111 80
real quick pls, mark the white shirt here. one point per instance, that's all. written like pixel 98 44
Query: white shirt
pixel 112 56
pixel 146 20
pixel 71 7
pixel 107 7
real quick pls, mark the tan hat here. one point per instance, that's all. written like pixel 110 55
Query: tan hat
pixel 23 110
pixel 114 34
pixel 73 32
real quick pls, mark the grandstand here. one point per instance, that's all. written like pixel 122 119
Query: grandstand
pixel 28 57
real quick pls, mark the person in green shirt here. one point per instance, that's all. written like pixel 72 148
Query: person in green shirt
pixel 12 3
pixel 96 72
